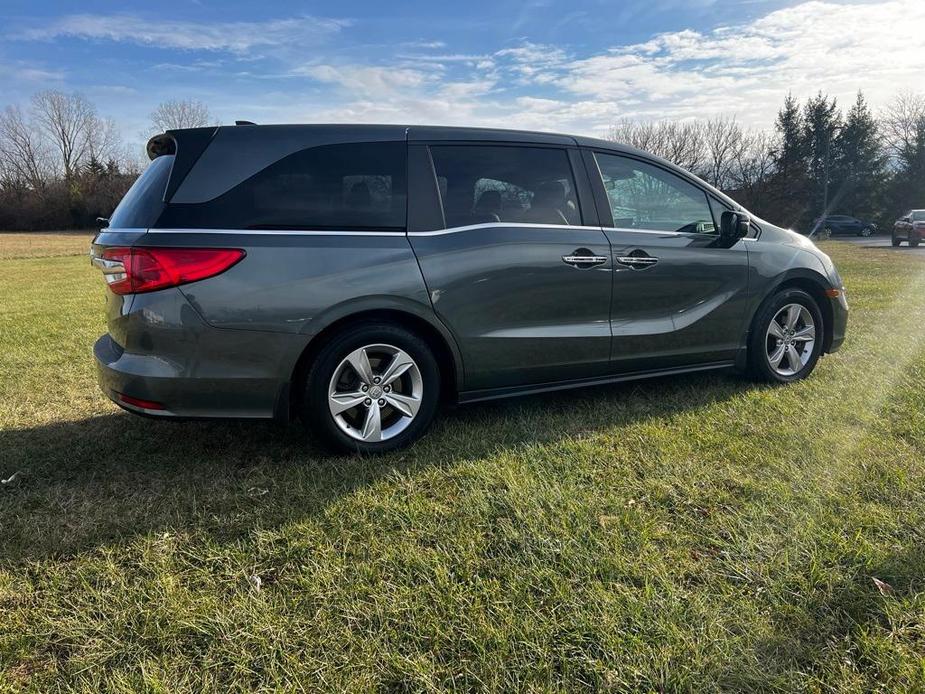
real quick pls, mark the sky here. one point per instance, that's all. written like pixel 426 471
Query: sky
pixel 575 66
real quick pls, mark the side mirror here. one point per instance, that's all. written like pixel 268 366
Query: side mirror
pixel 734 226
pixel 102 222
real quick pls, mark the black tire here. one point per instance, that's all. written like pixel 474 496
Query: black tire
pixel 866 232
pixel 315 412
pixel 914 242
pixel 895 241
pixel 759 365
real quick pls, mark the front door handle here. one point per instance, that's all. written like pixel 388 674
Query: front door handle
pixel 637 262
pixel 582 258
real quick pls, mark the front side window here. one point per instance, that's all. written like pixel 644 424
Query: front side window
pixel 354 187
pixel 484 184
pixel 643 196
pixel 918 216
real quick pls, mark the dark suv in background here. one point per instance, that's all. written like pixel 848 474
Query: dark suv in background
pixel 358 275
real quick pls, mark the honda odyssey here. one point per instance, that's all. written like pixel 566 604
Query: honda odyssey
pixel 356 276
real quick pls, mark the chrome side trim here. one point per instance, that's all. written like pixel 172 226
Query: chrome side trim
pixel 647 231
pixel 309 232
pixel 277 232
pixel 503 225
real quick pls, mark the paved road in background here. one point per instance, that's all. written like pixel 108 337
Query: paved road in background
pixel 880 242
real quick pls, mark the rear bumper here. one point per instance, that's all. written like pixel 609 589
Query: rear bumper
pixel 165 353
pixel 182 395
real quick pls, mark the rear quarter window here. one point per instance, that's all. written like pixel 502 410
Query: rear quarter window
pixel 355 187
pixel 144 202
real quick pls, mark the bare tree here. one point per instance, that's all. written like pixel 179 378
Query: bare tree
pixel 903 122
pixel 24 159
pixel 70 124
pixel 679 143
pixel 724 142
pixel 176 114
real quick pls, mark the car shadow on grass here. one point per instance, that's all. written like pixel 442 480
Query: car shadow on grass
pixel 107 479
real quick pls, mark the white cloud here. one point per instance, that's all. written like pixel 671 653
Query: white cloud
pixel 744 70
pixel 234 37
pixel 834 47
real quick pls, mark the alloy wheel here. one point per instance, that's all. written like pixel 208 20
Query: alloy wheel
pixel 375 392
pixel 790 339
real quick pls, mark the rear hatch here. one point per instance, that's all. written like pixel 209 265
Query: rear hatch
pixel 172 156
pixel 137 211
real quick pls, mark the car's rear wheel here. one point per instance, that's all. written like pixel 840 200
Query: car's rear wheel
pixel 786 339
pixel 372 388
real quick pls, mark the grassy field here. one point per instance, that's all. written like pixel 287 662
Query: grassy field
pixel 43 244
pixel 698 534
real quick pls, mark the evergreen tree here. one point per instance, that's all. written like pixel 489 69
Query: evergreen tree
pixel 786 193
pixel 907 186
pixel 821 124
pixel 858 164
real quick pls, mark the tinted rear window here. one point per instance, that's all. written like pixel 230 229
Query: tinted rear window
pixel 354 187
pixel 144 201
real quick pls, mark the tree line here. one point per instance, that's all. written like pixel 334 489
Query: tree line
pixel 817 159
pixel 62 165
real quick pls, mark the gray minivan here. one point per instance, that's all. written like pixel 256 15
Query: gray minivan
pixel 357 276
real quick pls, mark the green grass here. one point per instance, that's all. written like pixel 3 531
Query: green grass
pixel 695 534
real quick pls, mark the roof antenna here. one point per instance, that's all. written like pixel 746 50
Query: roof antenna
pixel 244 122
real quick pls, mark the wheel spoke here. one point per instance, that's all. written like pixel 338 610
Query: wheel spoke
pixel 793 315
pixel 775 329
pixel 400 363
pixel 341 402
pixel 793 358
pixel 372 426
pixel 776 356
pixel 806 334
pixel 406 404
pixel 359 360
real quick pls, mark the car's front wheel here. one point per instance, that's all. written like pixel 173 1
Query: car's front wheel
pixel 865 232
pixel 895 240
pixel 372 388
pixel 786 339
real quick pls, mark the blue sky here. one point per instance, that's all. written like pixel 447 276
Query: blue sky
pixel 573 66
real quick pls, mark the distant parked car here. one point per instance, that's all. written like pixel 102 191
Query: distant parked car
pixel 910 227
pixel 839 225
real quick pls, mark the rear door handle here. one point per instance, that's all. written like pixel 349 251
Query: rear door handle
pixel 584 261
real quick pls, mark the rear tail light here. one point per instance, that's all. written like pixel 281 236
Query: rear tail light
pixel 137 270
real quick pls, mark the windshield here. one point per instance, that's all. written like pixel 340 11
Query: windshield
pixel 144 201
pixel 918 216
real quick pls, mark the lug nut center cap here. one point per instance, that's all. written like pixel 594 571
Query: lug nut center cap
pixel 375 392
